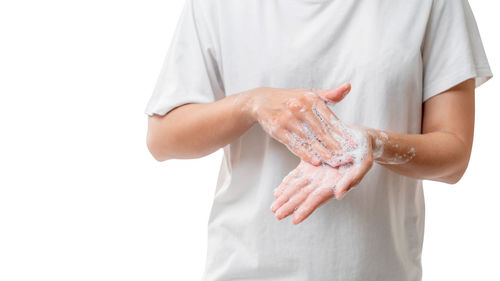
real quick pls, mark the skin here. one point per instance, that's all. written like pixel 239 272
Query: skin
pixel 299 119
pixel 440 153
pixel 307 187
pixel 195 130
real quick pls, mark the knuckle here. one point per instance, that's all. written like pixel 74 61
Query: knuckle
pixel 295 105
pixel 325 192
pixel 274 122
pixel 317 194
pixel 285 117
pixel 281 200
pixel 305 191
pixel 309 98
pixel 303 210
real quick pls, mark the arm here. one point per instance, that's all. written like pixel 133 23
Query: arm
pixel 440 153
pixel 195 130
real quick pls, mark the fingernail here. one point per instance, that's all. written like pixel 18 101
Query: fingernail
pixel 296 217
pixel 278 216
pixel 346 86
pixel 273 207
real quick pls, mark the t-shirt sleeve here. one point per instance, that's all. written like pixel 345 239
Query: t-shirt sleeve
pixel 452 49
pixel 190 73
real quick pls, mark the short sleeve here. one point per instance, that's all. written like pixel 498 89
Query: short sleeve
pixel 190 72
pixel 452 49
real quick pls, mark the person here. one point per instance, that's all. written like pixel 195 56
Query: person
pixel 309 98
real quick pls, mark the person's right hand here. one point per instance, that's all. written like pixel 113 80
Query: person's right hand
pixel 302 121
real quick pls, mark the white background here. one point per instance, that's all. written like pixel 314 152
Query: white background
pixel 82 199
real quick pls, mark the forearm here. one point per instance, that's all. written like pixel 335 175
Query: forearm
pixel 439 156
pixel 195 130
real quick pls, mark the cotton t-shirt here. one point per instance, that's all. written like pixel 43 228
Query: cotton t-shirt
pixel 396 54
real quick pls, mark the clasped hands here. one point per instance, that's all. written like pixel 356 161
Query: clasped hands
pixel 334 156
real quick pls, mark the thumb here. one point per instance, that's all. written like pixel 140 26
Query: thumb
pixel 335 95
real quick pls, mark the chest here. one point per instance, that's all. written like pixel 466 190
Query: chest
pixel 378 51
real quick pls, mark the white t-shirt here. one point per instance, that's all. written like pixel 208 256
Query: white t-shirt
pixel 396 54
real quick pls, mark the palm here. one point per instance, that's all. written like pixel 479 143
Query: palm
pixel 307 187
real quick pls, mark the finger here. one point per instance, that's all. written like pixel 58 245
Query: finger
pixel 325 111
pixel 299 148
pixel 336 128
pixel 353 177
pixel 290 178
pixel 287 194
pixel 312 202
pixel 318 128
pixel 299 128
pixel 335 95
pixel 339 160
pixel 297 199
pixel 345 184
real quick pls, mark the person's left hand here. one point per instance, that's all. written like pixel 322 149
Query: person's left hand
pixel 307 187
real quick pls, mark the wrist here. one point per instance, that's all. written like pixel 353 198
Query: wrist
pixel 251 101
pixel 376 140
pixel 245 104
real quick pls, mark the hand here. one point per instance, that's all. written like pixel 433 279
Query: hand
pixel 302 121
pixel 307 187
